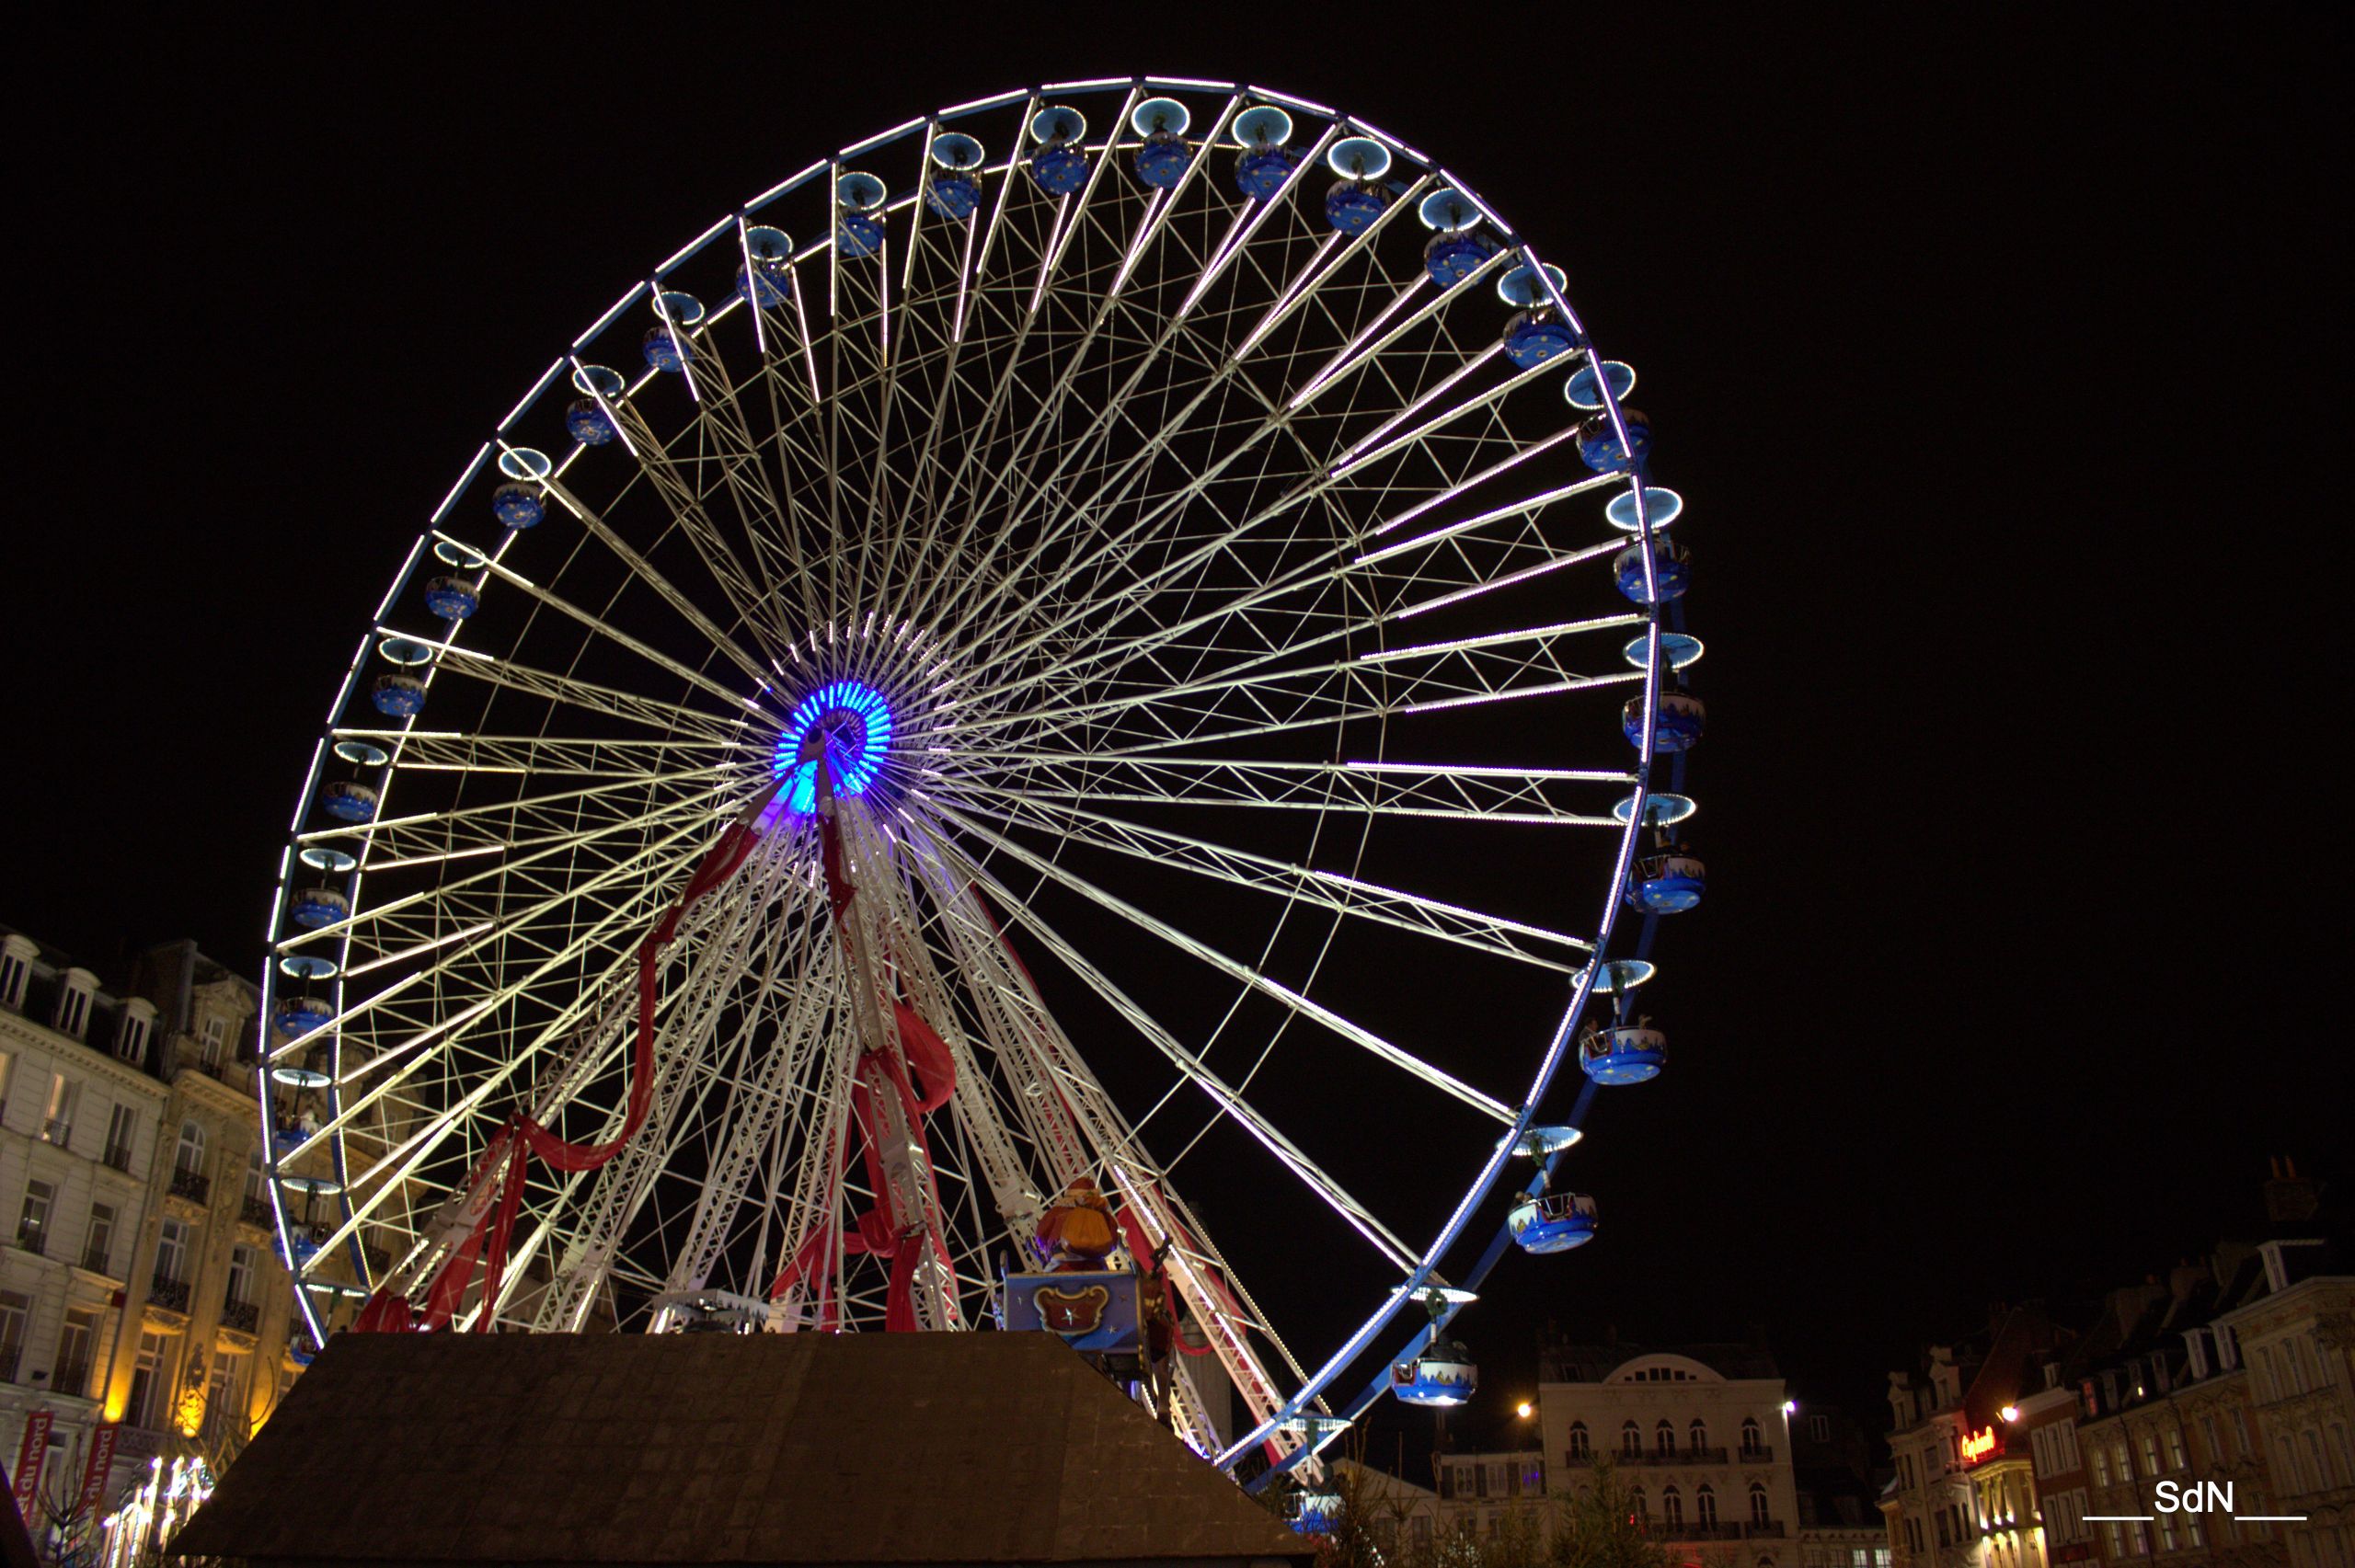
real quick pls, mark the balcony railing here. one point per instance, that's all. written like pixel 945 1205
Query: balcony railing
pixel 194 1185
pixel 8 1358
pixel 1675 1457
pixel 1758 1453
pixel 168 1293
pixel 118 1155
pixel 95 1259
pixel 1679 1530
pixel 71 1379
pixel 241 1315
pixel 30 1238
pixel 255 1211
pixel 60 1132
pixel 1764 1529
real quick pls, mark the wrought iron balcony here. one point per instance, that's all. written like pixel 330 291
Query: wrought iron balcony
pixel 168 1293
pixel 240 1315
pixel 1757 1453
pixel 255 1211
pixel 95 1259
pixel 194 1185
pixel 118 1156
pixel 31 1239
pixel 71 1379
pixel 1675 1457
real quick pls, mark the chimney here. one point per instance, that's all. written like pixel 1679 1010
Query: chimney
pixel 2290 1198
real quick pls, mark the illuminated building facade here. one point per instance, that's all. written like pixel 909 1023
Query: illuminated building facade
pixel 1964 1493
pixel 139 1285
pixel 1700 1434
pixel 2297 1341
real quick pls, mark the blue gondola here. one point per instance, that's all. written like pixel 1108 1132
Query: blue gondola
pixel 1552 1222
pixel 1265 162
pixel 517 506
pixel 1442 1375
pixel 453 599
pixel 858 215
pixel 348 802
pixel 1060 169
pixel 1671 570
pixel 1354 203
pixel 585 422
pixel 665 349
pixel 399 696
pixel 1669 883
pixel 953 195
pixel 1162 161
pixel 767 282
pixel 1624 1053
pixel 298 1250
pixel 1060 163
pixel 295 1016
pixel 1601 449
pixel 1454 254
pixel 315 907
pixel 1533 336
pixel 1676 726
pixel 286 1141
pixel 1352 206
pixel 1261 172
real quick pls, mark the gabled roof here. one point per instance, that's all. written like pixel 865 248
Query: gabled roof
pixel 777 1448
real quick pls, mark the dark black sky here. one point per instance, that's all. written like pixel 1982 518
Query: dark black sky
pixel 2002 363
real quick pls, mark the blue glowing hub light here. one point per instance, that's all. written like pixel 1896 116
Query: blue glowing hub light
pixel 855 723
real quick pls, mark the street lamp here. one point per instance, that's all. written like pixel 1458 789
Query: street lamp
pixel 1524 1410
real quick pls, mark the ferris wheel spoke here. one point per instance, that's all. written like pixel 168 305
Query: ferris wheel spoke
pixel 1451 673
pixel 533 814
pixel 613 634
pixel 1354 1033
pixel 1288 1154
pixel 738 584
pixel 764 514
pixel 631 882
pixel 543 756
pixel 663 588
pixel 650 713
pixel 1379 337
pixel 1502 794
pixel 1456 924
pixel 720 962
pixel 1374 448
pixel 560 848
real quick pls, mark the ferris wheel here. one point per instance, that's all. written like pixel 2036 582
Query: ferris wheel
pixel 991 673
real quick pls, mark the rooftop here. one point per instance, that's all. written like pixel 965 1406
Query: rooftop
pixel 780 1448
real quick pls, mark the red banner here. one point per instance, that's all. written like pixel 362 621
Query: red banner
pixel 30 1455
pixel 94 1473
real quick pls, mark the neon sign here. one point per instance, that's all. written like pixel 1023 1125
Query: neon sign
pixel 1977 1445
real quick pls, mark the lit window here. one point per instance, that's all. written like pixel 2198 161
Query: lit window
pixel 57 1119
pixel 32 1225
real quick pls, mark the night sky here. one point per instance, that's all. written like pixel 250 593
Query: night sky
pixel 1996 366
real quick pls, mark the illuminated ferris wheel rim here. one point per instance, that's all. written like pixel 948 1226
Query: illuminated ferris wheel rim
pixel 854 721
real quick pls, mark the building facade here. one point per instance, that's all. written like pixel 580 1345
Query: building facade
pixel 139 1289
pixel 1963 1494
pixel 2203 1416
pixel 1699 1433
